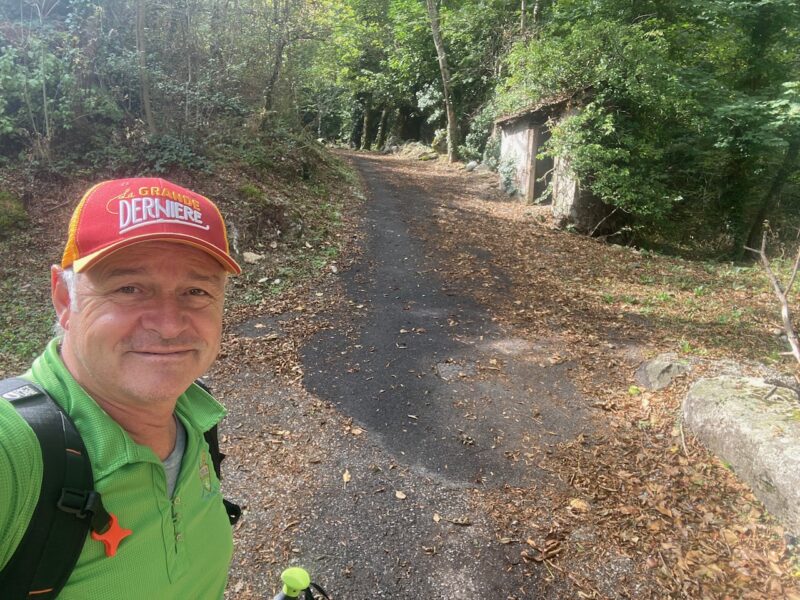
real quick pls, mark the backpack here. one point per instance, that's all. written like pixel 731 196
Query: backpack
pixel 68 507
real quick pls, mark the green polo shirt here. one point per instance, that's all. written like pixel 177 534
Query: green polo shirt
pixel 180 547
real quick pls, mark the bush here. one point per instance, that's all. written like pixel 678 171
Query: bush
pixel 167 152
pixel 12 213
pixel 508 173
pixel 480 128
pixel 491 153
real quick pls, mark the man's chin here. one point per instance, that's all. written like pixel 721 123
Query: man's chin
pixel 152 389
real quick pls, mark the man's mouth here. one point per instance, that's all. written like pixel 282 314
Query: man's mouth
pixel 163 353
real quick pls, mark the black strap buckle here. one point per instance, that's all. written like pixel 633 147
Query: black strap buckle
pixel 85 505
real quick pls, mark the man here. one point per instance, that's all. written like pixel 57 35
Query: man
pixel 139 296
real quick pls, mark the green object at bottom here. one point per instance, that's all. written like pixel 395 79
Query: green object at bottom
pixel 295 581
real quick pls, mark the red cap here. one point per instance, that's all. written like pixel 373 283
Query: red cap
pixel 122 212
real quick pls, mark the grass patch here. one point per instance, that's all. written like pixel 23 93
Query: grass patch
pixel 26 314
pixel 12 214
pixel 705 307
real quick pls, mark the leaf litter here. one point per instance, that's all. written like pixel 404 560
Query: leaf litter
pixel 644 494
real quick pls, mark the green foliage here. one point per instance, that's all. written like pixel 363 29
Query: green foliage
pixel 167 152
pixel 687 111
pixel 480 128
pixel 250 192
pixel 507 169
pixel 690 110
pixel 12 213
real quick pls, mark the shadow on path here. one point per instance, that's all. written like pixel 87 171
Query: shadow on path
pixel 425 368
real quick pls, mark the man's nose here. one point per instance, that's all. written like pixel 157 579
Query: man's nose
pixel 166 316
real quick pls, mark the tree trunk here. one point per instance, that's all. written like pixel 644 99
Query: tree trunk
pixel 282 12
pixel 144 79
pixel 770 200
pixel 380 139
pixel 366 141
pixel 269 89
pixel 357 117
pixel 522 9
pixel 452 124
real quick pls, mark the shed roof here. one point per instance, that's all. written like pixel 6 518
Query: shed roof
pixel 546 108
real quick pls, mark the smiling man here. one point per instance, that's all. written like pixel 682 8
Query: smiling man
pixel 139 298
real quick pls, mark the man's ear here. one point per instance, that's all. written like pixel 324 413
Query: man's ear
pixel 59 294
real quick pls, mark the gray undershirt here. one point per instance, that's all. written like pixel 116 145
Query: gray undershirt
pixel 172 464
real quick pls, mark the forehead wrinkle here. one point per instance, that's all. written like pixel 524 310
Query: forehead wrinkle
pixel 125 272
pixel 216 278
pixel 191 273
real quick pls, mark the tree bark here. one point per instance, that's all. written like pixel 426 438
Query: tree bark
pixel 380 139
pixel 452 124
pixel 770 200
pixel 357 118
pixel 144 79
pixel 282 12
pixel 269 89
pixel 366 141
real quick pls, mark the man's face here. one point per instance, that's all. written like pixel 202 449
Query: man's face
pixel 145 322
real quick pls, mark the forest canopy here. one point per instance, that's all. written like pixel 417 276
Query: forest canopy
pixel 689 120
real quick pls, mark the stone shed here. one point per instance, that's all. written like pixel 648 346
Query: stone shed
pixel 547 180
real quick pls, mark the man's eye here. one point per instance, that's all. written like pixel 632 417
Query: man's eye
pixel 197 292
pixel 127 289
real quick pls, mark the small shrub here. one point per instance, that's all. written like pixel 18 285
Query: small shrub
pixel 167 152
pixel 491 153
pixel 480 128
pixel 508 173
pixel 12 213
pixel 250 192
pixel 439 142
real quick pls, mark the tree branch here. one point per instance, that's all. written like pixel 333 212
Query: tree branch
pixel 786 314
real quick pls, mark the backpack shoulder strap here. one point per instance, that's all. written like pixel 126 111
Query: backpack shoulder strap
pixel 48 551
pixel 234 510
pixel 212 439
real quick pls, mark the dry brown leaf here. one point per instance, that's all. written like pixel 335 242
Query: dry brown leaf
pixel 579 505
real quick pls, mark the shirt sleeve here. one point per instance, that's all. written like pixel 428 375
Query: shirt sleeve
pixel 20 478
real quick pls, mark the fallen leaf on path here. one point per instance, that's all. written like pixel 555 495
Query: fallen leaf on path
pixel 579 505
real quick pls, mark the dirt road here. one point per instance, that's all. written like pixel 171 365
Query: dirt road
pixel 465 425
pixel 427 370
pixel 446 393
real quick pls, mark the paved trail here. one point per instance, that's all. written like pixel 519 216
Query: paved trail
pixel 453 399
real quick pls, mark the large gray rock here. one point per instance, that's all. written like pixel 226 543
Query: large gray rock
pixel 658 373
pixel 755 427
